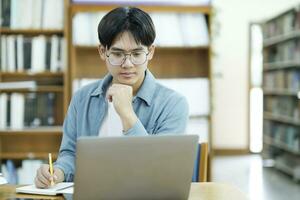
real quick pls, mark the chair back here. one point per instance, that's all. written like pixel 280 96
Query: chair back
pixel 201 162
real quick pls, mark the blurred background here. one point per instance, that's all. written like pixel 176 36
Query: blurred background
pixel 236 61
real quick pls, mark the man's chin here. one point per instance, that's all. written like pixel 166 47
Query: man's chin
pixel 129 82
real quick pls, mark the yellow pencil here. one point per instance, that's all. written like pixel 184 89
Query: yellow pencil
pixel 51 168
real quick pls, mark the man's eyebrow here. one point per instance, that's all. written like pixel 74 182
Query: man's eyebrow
pixel 118 49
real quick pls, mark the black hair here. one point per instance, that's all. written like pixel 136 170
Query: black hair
pixel 131 19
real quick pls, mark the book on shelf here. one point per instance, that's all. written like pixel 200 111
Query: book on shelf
pixel 32 54
pixel 15 14
pixel 160 19
pixel 48 20
pixel 198 101
pixel 27 110
pixel 18 85
pixel 9 171
pixel 24 174
pixel 194 29
pixel 283 79
pixel 85 28
pixel 286 136
pixel 287 51
pixel 17 110
pixel 283 106
pixel 3 110
pixel 285 24
pixel 187 29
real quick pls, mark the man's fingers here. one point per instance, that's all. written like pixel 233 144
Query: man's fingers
pixel 45 171
pixel 39 184
pixel 43 177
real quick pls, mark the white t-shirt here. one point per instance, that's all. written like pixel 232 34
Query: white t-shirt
pixel 112 124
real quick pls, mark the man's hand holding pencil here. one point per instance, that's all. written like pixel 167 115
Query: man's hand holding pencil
pixel 47 175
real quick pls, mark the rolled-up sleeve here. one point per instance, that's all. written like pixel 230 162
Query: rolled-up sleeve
pixel 67 151
pixel 137 129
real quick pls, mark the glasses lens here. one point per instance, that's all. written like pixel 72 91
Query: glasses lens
pixel 138 57
pixel 116 58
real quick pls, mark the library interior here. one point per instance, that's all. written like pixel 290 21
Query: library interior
pixel 236 63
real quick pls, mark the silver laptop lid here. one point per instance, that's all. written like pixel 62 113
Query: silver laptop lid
pixel 135 167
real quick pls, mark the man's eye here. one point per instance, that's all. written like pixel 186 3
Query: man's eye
pixel 137 53
pixel 117 54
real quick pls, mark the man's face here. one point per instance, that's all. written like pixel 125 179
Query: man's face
pixel 130 71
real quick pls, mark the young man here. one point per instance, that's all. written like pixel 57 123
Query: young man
pixel 126 36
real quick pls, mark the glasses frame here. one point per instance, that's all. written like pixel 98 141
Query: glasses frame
pixel 127 54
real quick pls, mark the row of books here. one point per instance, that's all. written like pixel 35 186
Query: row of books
pixel 18 110
pixel 282 79
pixel 187 29
pixel 282 25
pixel 286 51
pixel 23 174
pixel 34 54
pixel 32 14
pixel 282 106
pixel 198 101
pixel 284 134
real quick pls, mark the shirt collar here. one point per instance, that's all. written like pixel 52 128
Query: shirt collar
pixel 145 92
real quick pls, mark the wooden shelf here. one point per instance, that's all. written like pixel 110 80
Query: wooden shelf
pixel 284 92
pixel 270 141
pixel 282 119
pixel 30 142
pixel 281 65
pixel 32 75
pixel 27 155
pixel 92 7
pixel 39 89
pixel 55 131
pixel 281 38
pixel 30 32
pixel 277 123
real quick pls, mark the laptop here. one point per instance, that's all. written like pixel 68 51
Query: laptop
pixel 135 167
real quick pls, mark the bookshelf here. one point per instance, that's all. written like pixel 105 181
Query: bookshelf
pixel 82 61
pixel 51 95
pixel 169 62
pixel 281 86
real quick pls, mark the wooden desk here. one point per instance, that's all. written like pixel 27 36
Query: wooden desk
pixel 199 191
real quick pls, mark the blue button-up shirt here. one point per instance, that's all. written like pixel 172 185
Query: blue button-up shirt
pixel 159 110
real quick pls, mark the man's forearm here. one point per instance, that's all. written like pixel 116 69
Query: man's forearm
pixel 128 120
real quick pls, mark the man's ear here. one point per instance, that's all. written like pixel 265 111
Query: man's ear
pixel 151 52
pixel 101 51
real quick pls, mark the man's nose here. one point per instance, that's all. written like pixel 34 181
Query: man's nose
pixel 127 62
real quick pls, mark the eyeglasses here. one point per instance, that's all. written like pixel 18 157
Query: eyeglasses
pixel 119 57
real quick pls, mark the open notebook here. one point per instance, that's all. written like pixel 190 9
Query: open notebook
pixel 60 188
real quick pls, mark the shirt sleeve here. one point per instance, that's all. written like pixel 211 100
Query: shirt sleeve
pixel 137 129
pixel 174 119
pixel 66 157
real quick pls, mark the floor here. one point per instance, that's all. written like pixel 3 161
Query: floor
pixel 258 182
